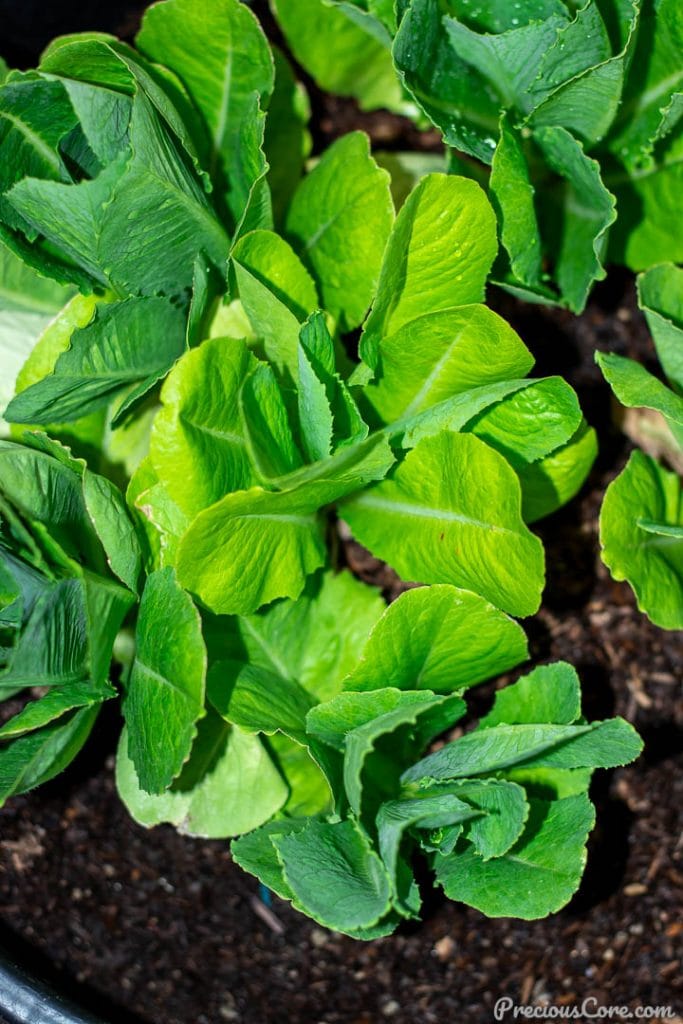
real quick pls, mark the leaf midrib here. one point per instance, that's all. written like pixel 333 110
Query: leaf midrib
pixel 324 228
pixel 267 649
pixel 223 110
pixel 222 435
pixel 428 512
pixel 434 374
pixel 151 673
pixel 39 144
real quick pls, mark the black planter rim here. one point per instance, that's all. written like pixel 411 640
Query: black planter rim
pixel 25 999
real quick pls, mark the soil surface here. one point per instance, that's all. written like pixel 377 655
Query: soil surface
pixel 155 927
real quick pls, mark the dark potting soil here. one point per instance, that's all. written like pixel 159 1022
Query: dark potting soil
pixel 155 927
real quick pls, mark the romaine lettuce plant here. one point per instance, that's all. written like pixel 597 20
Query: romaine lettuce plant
pixel 575 108
pixel 501 813
pixel 641 523
pixel 182 305
pixel 422 449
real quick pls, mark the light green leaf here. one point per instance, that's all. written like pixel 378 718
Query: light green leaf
pixel 635 387
pixel 552 783
pixel 28 303
pixel 164 522
pixel 250 179
pixel 407 168
pixel 19 332
pixel 316 422
pixel 436 356
pixel 228 786
pixel 280 531
pixel 342 55
pixel 538 875
pixel 531 423
pixel 451 513
pixel 165 692
pixel 77 313
pixel 205 290
pixel 651 561
pixel 463 248
pixel 661 529
pixel 24 291
pixel 438 638
pixel 314 641
pixel 198 446
pixel 309 790
pixel 333 407
pixel 554 480
pixel 144 479
pixel 230 321
pixel 287 140
pixel 266 426
pixel 551 693
pixel 339 221
pixel 452 414
pixel 277 294
pixel 660 296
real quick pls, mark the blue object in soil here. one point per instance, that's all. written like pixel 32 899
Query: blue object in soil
pixel 265 895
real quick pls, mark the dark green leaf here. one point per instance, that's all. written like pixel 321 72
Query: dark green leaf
pixel 165 692
pixel 538 875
